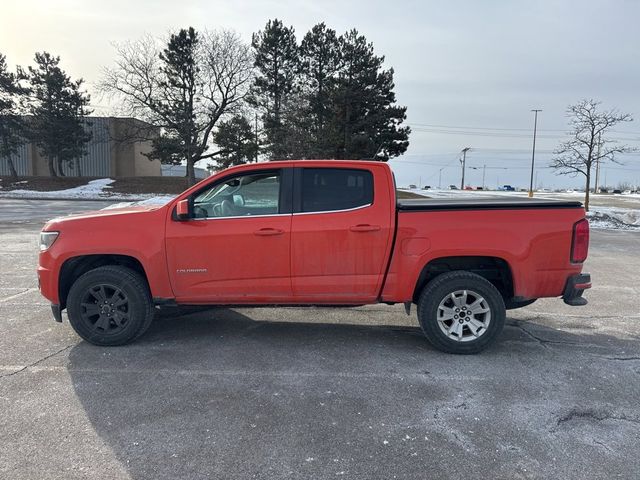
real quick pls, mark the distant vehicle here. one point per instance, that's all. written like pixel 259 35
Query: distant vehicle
pixel 412 186
pixel 426 187
pixel 603 190
pixel 479 188
pixel 617 191
pixel 468 187
pixel 453 187
pixel 544 190
pixel 627 192
pixel 507 188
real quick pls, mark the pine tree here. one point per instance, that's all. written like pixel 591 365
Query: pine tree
pixel 276 58
pixel 58 110
pixel 367 120
pixel 237 140
pixel 177 104
pixel 320 61
pixel 11 123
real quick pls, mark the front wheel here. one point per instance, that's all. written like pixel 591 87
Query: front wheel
pixel 461 312
pixel 110 306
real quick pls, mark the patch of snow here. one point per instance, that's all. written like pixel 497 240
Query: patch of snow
pixel 94 190
pixel 610 218
pixel 158 201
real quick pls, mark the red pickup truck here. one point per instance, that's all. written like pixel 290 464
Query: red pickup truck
pixel 314 233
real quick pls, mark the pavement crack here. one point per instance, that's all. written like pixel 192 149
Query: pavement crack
pixel 541 341
pixel 37 362
pixel 11 297
pixel 620 359
pixel 592 414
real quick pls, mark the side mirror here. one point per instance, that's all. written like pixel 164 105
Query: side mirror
pixel 183 210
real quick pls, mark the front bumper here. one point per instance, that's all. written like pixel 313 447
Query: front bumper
pixel 575 287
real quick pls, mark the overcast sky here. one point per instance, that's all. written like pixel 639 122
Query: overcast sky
pixel 472 69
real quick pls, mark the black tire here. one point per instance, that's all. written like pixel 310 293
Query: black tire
pixel 440 290
pixel 123 308
pixel 512 305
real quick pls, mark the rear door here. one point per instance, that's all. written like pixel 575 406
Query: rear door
pixel 341 233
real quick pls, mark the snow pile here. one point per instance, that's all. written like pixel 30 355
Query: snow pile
pixel 94 189
pixel 157 201
pixel 614 218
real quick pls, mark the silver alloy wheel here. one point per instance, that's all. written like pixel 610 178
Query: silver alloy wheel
pixel 464 315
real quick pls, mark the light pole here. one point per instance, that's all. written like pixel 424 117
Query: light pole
pixel 533 154
pixel 463 161
pixel 440 177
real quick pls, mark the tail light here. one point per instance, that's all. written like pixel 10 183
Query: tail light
pixel 580 241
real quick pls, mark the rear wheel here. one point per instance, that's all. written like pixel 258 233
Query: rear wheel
pixel 461 312
pixel 110 306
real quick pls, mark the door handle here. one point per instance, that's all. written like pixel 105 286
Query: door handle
pixel 265 232
pixel 365 228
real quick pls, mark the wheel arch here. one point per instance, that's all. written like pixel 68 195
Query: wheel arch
pixel 75 267
pixel 495 269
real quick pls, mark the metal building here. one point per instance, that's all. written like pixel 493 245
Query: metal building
pixel 111 152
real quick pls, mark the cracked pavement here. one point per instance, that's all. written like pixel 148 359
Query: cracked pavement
pixel 319 393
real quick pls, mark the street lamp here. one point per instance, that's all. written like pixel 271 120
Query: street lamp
pixel 533 154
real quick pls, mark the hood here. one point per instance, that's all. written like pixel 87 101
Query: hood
pixel 117 214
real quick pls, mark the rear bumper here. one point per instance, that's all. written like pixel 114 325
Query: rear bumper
pixel 575 287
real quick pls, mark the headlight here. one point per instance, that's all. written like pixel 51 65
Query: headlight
pixel 47 239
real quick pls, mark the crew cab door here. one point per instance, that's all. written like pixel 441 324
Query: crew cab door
pixel 236 246
pixel 341 233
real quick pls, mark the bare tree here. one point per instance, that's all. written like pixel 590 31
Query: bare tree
pixel 589 144
pixel 184 89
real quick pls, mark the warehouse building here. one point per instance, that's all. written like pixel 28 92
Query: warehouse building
pixel 115 150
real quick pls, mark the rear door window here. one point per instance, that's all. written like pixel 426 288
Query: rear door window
pixel 331 189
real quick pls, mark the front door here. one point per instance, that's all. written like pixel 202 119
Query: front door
pixel 236 249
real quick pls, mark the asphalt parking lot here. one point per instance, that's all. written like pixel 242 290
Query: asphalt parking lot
pixel 319 393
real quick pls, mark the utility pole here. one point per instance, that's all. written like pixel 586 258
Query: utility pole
pixel 464 162
pixel 533 154
pixel 595 188
pixel 440 177
pixel 484 170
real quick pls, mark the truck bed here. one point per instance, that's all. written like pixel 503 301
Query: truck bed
pixel 486 203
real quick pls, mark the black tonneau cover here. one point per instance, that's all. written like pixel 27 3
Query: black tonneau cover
pixel 487 203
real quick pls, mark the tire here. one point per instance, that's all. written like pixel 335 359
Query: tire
pixel 483 311
pixel 511 305
pixel 110 306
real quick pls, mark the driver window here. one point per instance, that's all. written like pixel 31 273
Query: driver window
pixel 243 195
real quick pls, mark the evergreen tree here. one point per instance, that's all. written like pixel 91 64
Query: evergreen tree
pixel 320 62
pixel 276 58
pixel 58 109
pixel 177 104
pixel 237 140
pixel 367 121
pixel 11 123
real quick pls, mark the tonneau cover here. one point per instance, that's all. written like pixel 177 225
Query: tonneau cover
pixel 487 203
